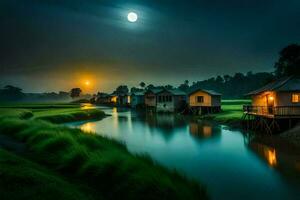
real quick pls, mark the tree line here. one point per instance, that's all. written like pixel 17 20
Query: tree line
pixel 231 86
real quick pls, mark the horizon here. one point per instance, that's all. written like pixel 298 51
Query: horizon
pixel 85 91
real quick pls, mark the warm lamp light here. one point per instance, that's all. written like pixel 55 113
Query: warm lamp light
pixel 271 98
pixel 271 156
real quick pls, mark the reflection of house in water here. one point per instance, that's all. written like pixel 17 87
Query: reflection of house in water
pixel 204 129
pixel 265 152
pixel 282 156
pixel 164 122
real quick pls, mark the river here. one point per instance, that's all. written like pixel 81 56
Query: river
pixel 230 163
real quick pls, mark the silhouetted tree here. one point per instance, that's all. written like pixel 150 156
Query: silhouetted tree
pixel 289 61
pixel 184 86
pixel 150 87
pixel 226 78
pixel 142 84
pixel 11 93
pixel 135 89
pixel 219 79
pixel 168 87
pixel 75 92
pixel 122 89
pixel 249 74
pixel 12 89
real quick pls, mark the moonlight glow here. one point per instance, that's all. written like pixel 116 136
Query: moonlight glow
pixel 132 17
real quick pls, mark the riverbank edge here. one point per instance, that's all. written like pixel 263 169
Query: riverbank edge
pixel 82 115
pixel 196 188
pixel 233 124
pixel 291 136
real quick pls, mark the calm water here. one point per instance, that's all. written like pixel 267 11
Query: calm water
pixel 231 165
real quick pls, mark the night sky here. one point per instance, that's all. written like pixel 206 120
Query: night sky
pixel 52 45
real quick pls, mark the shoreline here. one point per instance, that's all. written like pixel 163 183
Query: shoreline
pixel 75 155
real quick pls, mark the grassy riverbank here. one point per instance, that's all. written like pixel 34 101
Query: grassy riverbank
pixel 55 113
pixel 232 112
pixel 73 158
pixel 23 179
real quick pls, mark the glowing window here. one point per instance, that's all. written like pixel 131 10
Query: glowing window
pixel 296 98
pixel 128 99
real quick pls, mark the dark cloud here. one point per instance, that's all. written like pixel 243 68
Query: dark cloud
pixel 172 40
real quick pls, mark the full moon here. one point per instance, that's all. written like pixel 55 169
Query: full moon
pixel 132 17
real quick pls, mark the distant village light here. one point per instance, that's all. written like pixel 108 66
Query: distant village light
pixel 114 99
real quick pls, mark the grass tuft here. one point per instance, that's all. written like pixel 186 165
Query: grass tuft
pixel 55 144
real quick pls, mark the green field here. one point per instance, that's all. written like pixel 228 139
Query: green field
pixel 232 111
pixel 78 165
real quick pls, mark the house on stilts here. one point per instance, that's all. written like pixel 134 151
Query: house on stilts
pixel 123 99
pixel 275 105
pixel 165 100
pixel 137 99
pixel 150 99
pixel 170 100
pixel 202 101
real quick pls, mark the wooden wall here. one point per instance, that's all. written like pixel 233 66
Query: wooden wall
pixel 207 101
pixel 280 99
pixel 150 99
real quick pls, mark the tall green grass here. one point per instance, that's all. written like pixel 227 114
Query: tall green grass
pixel 77 115
pixel 22 179
pixel 100 163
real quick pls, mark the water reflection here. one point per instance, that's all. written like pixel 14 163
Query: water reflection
pixel 85 106
pixel 271 156
pixel 265 152
pixel 204 129
pixel 165 122
pixel 231 164
pixel 89 127
pixel 278 155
